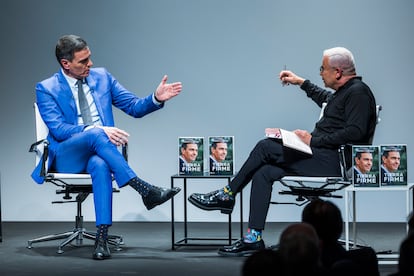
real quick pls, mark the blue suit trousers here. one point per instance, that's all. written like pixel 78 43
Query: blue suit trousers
pixel 91 151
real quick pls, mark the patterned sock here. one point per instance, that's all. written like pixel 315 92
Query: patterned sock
pixel 102 232
pixel 140 186
pixel 252 235
pixel 226 193
pixel 228 190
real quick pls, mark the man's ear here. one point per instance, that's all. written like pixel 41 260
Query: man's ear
pixel 64 63
pixel 338 74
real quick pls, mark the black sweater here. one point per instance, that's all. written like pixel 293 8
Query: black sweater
pixel 349 116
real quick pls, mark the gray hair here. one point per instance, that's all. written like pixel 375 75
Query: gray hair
pixel 341 58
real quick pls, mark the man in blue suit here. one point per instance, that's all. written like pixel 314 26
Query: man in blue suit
pixel 78 146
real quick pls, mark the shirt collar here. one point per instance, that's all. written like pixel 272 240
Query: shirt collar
pixel 72 81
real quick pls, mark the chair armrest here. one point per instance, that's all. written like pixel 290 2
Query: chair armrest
pixel 41 148
pixel 345 157
pixel 125 151
pixel 35 146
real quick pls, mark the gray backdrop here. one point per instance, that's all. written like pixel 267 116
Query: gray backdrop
pixel 228 55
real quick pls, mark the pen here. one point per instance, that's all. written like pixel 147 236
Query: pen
pixel 284 69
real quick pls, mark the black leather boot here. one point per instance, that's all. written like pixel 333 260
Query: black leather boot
pixel 101 244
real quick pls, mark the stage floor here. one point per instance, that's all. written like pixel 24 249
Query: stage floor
pixel 148 249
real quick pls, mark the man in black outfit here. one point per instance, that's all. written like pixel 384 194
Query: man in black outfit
pixel 349 117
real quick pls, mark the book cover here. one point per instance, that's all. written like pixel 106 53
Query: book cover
pixel 221 155
pixel 190 155
pixel 365 161
pixel 393 164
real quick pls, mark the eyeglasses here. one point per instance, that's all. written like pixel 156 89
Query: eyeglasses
pixel 322 69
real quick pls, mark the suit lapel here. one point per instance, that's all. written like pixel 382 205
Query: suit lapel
pixel 65 96
pixel 92 86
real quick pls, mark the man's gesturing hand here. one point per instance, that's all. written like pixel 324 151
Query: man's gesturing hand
pixel 166 91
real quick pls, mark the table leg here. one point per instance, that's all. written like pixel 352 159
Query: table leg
pixel 172 218
pixel 346 221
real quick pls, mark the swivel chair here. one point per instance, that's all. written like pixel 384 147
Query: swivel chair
pixel 306 188
pixel 68 184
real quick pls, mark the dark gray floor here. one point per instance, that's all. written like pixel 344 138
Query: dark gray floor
pixel 148 249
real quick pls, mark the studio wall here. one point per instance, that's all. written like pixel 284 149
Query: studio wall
pixel 228 55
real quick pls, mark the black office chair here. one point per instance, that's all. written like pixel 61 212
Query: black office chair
pixel 306 188
pixel 68 184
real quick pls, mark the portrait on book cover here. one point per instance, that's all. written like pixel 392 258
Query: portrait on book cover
pixel 365 166
pixel 190 156
pixel 393 165
pixel 221 159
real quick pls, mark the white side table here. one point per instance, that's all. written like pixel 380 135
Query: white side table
pixel 351 192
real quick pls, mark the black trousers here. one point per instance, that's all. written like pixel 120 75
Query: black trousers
pixel 268 162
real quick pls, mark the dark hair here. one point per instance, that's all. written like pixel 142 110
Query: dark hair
pixel 360 151
pixel 216 141
pixel 299 249
pixel 325 217
pixel 262 262
pixel 67 45
pixel 387 150
pixel 187 142
pixel 410 223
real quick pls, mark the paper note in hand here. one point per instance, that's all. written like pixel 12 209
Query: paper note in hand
pixel 273 133
pixel 291 140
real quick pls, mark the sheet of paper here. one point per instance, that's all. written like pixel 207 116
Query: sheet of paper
pixel 291 140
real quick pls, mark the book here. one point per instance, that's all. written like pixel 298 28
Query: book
pixel 221 155
pixel 365 166
pixel 190 155
pixel 393 165
pixel 289 139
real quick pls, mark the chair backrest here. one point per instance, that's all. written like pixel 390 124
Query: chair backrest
pixel 322 110
pixel 346 151
pixel 41 130
pixel 377 121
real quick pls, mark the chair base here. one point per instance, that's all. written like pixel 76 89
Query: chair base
pixel 79 233
pixel 77 236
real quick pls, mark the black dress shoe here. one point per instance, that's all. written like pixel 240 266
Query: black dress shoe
pixel 212 201
pixel 101 250
pixel 241 248
pixel 157 196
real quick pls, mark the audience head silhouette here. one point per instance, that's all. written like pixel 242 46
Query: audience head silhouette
pixel 299 250
pixel 326 218
pixel 263 262
pixel 406 250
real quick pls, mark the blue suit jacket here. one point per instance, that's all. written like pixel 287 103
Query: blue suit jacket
pixel 58 108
